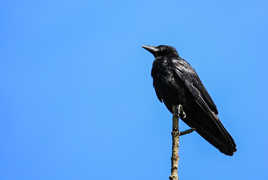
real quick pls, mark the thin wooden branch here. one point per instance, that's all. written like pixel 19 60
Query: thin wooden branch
pixel 175 144
pixel 188 131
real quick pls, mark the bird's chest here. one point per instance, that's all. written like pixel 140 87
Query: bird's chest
pixel 166 85
pixel 162 72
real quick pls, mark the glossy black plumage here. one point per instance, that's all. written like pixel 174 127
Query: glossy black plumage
pixel 176 82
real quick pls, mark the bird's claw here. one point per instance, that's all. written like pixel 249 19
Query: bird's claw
pixel 183 115
pixel 178 111
pixel 181 112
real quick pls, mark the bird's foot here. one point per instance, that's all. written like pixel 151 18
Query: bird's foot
pixel 178 111
pixel 181 113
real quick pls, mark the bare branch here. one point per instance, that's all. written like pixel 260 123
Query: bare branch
pixel 175 144
pixel 188 131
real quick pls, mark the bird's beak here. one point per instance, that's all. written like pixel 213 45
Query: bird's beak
pixel 151 49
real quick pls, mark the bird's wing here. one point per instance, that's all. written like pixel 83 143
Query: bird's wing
pixel 198 84
pixel 207 123
pixel 193 83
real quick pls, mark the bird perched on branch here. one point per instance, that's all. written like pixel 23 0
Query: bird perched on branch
pixel 176 83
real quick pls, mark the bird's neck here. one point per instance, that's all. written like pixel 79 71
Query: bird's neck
pixel 168 58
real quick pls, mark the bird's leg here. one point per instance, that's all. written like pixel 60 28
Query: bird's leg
pixel 182 115
pixel 181 112
pixel 176 114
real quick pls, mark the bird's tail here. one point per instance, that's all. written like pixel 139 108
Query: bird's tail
pixel 211 129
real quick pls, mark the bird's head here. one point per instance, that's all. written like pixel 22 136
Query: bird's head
pixel 162 50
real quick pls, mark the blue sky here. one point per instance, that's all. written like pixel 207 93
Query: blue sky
pixel 77 100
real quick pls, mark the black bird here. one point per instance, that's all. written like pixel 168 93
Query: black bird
pixel 176 83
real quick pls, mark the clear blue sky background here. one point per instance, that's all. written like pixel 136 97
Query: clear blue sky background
pixel 77 101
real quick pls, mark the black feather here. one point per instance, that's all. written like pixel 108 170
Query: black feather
pixel 176 82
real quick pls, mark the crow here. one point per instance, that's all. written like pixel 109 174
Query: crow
pixel 176 83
